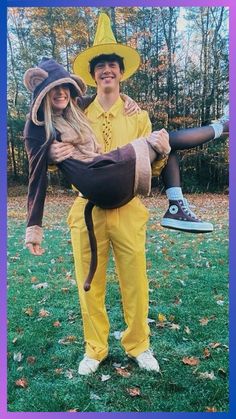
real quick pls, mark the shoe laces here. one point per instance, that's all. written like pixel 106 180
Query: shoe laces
pixel 187 209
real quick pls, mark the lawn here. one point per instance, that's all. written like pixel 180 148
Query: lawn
pixel 188 318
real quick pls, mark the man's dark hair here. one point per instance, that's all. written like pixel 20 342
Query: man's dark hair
pixel 106 57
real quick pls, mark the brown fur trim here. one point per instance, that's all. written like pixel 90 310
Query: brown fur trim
pixel 80 82
pixel 41 95
pixel 34 234
pixel 33 77
pixel 143 173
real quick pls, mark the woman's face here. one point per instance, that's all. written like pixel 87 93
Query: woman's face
pixel 59 97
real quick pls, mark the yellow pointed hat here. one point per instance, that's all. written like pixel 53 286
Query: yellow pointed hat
pixel 105 43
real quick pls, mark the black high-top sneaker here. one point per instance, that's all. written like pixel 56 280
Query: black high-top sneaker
pixel 180 217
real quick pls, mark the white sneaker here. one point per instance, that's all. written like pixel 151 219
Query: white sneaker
pixel 225 117
pixel 147 361
pixel 88 365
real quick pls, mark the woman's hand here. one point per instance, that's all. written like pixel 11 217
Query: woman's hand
pixel 35 249
pixel 131 107
pixel 159 140
pixel 59 151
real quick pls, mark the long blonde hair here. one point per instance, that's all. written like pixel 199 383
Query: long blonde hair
pixel 73 115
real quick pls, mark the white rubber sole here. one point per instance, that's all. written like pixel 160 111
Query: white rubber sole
pixel 188 226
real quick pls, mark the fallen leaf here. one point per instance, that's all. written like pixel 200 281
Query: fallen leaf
pixel 211 409
pixel 174 326
pixel 22 382
pixel 43 301
pixel 72 316
pixel 67 340
pixel 171 318
pixel 40 286
pixel 57 323
pixel 105 377
pixel 17 356
pixel 204 321
pixel 134 391
pixel 207 375
pixel 117 335
pixel 34 279
pixel 28 311
pixel 58 371
pixel 161 318
pixel 190 360
pixel 187 330
pixel 219 297
pixel 65 289
pixel 71 338
pixel 206 353
pixel 94 396
pixel 69 374
pixel 31 359
pixel 73 410
pixel 177 300
pixel 123 372
pixel 182 282
pixel 214 345
pixel 44 313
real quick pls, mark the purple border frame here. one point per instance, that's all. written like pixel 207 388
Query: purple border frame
pixel 3 188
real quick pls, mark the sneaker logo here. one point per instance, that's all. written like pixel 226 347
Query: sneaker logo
pixel 173 209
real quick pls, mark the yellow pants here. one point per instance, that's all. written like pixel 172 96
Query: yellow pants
pixel 125 230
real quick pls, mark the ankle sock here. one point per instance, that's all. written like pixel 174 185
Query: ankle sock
pixel 174 193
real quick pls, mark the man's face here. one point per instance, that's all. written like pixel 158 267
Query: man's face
pixel 59 97
pixel 107 75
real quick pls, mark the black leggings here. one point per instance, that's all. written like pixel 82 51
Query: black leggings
pixel 183 140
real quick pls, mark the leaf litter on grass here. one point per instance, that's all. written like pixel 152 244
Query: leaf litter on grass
pixel 179 289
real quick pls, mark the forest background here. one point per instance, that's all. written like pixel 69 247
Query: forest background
pixel 182 81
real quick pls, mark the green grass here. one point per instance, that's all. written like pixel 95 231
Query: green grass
pixel 188 282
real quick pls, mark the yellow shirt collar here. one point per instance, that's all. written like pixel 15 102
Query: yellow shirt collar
pixel 116 107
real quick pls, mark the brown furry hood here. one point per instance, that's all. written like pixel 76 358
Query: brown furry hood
pixel 41 79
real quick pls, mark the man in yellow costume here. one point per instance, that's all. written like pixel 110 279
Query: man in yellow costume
pixel 105 65
pixel 123 229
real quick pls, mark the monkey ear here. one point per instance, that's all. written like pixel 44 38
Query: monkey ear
pixel 81 84
pixel 33 77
